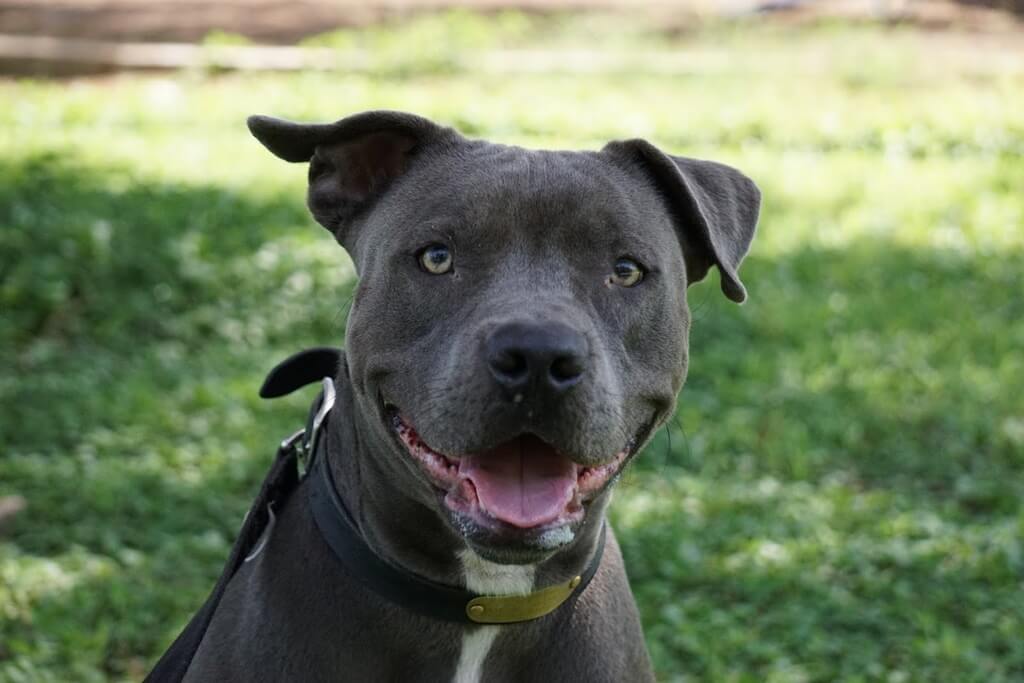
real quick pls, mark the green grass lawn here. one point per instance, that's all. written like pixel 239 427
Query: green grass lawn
pixel 839 496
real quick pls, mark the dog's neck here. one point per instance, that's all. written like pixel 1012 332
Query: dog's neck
pixel 409 534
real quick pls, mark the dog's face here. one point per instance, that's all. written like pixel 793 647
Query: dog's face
pixel 520 325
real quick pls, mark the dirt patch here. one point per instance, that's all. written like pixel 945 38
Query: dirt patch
pixel 275 22
pixel 263 21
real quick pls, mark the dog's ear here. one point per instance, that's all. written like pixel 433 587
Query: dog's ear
pixel 715 209
pixel 351 161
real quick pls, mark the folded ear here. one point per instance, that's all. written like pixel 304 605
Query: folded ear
pixel 351 161
pixel 715 209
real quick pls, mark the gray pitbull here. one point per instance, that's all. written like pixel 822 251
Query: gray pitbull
pixel 518 333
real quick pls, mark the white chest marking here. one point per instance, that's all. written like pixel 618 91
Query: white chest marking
pixel 488 578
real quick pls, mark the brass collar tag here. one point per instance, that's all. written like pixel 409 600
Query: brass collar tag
pixel 508 609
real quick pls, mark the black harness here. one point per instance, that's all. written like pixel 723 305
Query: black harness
pixel 300 453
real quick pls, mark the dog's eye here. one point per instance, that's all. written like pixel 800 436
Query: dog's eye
pixel 627 272
pixel 436 259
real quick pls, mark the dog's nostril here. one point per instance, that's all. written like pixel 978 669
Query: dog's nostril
pixel 511 364
pixel 566 369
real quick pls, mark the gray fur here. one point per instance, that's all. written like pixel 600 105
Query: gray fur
pixel 534 235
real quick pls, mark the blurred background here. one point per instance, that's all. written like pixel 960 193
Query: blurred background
pixel 839 497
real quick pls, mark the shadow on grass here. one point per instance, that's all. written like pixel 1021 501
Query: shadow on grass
pixel 108 277
pixel 100 253
pixel 876 379
pixel 844 487
pixel 892 365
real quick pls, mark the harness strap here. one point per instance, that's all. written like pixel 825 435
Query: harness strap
pixel 277 487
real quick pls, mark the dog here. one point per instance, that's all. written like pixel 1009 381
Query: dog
pixel 518 332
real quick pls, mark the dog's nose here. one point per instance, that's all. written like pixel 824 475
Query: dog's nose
pixel 530 357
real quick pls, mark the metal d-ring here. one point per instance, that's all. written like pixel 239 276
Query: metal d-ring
pixel 307 445
pixel 325 407
pixel 303 442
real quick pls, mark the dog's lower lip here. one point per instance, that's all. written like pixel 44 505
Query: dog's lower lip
pixel 455 485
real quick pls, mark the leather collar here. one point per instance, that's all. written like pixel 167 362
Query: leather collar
pixel 414 593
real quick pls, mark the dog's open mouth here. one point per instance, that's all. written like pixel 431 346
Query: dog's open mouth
pixel 524 483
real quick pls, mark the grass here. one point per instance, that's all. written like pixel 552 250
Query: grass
pixel 839 494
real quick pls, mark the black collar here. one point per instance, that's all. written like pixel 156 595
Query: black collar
pixel 419 595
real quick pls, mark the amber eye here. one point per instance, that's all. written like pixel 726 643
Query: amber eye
pixel 627 272
pixel 436 259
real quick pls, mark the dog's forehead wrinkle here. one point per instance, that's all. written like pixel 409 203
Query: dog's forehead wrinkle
pixel 517 178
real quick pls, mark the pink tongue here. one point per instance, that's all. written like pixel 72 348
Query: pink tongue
pixel 523 482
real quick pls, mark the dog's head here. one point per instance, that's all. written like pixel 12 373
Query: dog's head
pixel 520 324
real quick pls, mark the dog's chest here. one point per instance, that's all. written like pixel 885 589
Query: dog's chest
pixel 491 579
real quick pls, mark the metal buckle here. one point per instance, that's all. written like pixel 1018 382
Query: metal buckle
pixel 293 441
